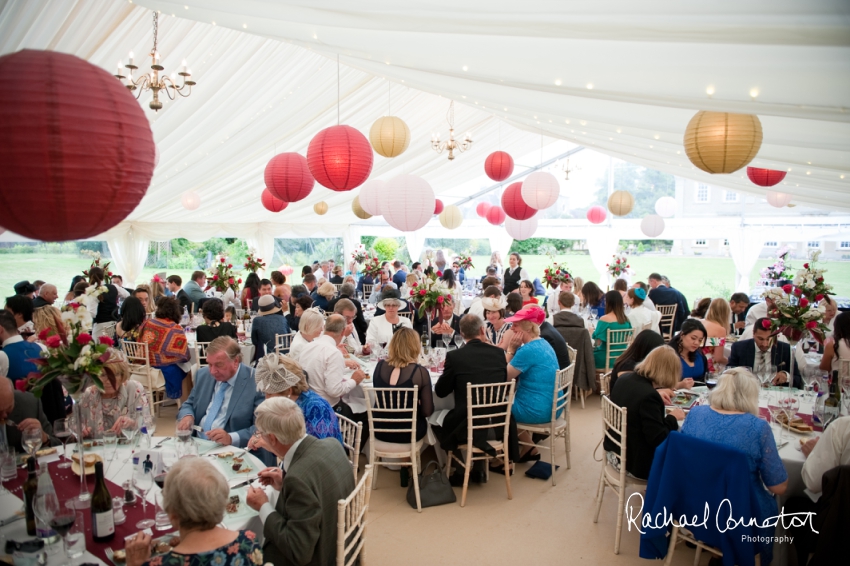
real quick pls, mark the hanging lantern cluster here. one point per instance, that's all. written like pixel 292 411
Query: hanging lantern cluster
pixel 722 142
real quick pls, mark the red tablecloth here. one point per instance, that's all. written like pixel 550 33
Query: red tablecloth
pixel 67 485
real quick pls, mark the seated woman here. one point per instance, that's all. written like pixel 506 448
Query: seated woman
pixel 116 404
pixel 167 346
pixel 72 292
pixel 732 419
pixel 830 310
pixel 281 376
pixel 688 343
pixel 300 304
pixel 622 287
pixel 647 422
pixel 716 325
pixel 310 327
pixel 133 315
pixel 614 319
pixel 350 279
pixel 325 294
pixel 639 316
pixel 638 350
pixel 702 308
pixel 497 327
pixel 215 326
pixel 593 298
pixel 336 275
pixel 157 289
pixel 382 327
pixel 450 279
pixel 837 347
pixel 250 291
pixel 401 369
pixel 514 301
pixel 526 291
pixel 195 497
pixel 282 291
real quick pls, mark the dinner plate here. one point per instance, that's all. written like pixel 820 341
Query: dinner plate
pixel 226 467
pixel 75 466
pixel 245 512
pixel 204 445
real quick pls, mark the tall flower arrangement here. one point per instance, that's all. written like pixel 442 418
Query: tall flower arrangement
pixel 792 314
pixel 810 282
pixel 465 262
pixel 779 270
pixel 253 263
pixel 556 274
pixel 222 277
pixel 619 266
pixel 360 255
pixel 429 295
pixel 372 268
pixel 107 275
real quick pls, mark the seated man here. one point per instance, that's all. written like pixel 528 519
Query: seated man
pixel 223 400
pixel 738 304
pixel 763 349
pixel 301 528
pixel 347 309
pixel 384 281
pixel 346 291
pixel 446 324
pixel 44 314
pixel 661 294
pixel 325 366
pixel 23 409
pixel 571 326
pixel 195 288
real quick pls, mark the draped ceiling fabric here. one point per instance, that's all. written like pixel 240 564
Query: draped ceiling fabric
pixel 266 74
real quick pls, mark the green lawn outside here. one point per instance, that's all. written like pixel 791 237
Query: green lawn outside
pixel 693 276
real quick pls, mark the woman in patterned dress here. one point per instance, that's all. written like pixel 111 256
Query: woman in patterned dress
pixel 716 325
pixel 167 346
pixel 498 329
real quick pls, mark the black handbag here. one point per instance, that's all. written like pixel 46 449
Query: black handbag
pixel 434 488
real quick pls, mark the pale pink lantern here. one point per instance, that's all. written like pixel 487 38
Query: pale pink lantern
pixel 540 190
pixel 521 229
pixel 371 194
pixel 596 214
pixel 408 203
pixel 482 209
pixel 190 200
pixel 777 199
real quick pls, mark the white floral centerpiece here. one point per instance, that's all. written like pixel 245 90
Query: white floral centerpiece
pixel 619 266
pixel 810 280
pixel 359 255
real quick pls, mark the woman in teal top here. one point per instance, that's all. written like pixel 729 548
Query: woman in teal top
pixel 614 319
pixel 533 364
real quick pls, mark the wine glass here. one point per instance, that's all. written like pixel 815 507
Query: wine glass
pixel 774 407
pixel 458 340
pixel 143 481
pixel 446 338
pixel 60 517
pixel 110 443
pixel 129 429
pixel 150 423
pixel 62 431
pixel 31 441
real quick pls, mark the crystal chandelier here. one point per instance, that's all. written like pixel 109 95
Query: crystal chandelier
pixel 450 143
pixel 153 81
pixel 567 170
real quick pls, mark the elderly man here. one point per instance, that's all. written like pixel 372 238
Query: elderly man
pixel 21 412
pixel 346 292
pixel 664 295
pixel 195 288
pixel 764 350
pixel 347 309
pixel 377 290
pixel 738 304
pixel 44 314
pixel 301 528
pixel 223 400
pixel 325 365
pixel 446 324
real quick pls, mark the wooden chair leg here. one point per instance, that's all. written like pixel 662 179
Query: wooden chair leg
pixel 507 469
pixel 375 466
pixel 567 443
pixel 582 395
pixel 697 555
pixel 672 547
pixel 600 493
pixel 621 496
pixel 552 452
pixel 414 477
pixel 467 466
pixel 449 464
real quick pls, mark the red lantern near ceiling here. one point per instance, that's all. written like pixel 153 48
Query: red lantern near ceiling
pixel 288 178
pixel 71 167
pixel 340 158
pixel 765 177
pixel 271 202
pixel 596 214
pixel 513 204
pixel 495 215
pixel 438 206
pixel 499 165
pixel 483 208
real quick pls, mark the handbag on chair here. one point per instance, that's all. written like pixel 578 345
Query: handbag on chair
pixel 434 488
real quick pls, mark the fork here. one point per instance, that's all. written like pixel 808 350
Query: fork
pixel 109 554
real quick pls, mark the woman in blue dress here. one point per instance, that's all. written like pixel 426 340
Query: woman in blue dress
pixel 732 420
pixel 688 343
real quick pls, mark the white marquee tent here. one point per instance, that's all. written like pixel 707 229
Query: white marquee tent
pixel 622 78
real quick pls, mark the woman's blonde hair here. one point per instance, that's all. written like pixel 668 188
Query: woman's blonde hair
pixel 404 348
pixel 719 312
pixel 118 366
pixel 662 367
pixel 411 279
pixel 528 327
pixel 737 390
pixel 327 290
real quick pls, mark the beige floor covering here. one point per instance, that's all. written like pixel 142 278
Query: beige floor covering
pixel 542 525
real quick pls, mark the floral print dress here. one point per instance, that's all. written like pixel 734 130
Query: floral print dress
pixel 708 350
pixel 244 551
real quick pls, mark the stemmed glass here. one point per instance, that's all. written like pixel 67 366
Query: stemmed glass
pixel 62 431
pixel 150 423
pixel 60 517
pixel 446 338
pixel 458 340
pixel 31 441
pixel 774 407
pixel 129 428
pixel 143 480
pixel 790 406
pixel 766 374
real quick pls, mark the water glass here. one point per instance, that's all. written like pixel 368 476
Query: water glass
pixel 8 470
pixel 163 523
pixel 75 541
pixel 110 443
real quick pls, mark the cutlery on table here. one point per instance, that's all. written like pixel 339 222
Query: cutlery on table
pixel 161 442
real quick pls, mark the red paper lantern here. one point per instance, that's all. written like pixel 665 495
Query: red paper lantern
pixel 71 167
pixel 340 158
pixel 495 215
pixel 499 165
pixel 288 178
pixel 271 202
pixel 513 204
pixel 596 214
pixel 765 177
pixel 438 206
pixel 483 208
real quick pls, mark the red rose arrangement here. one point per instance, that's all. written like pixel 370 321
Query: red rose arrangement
pixel 222 277
pixel 252 263
pixel 372 267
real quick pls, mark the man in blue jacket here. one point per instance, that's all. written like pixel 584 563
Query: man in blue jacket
pixel 661 294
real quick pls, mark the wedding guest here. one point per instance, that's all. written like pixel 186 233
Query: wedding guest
pixel 738 304
pixel 174 284
pixel 688 343
pixel 638 350
pixel 454 287
pixel 302 303
pixel 573 329
pixel 305 271
pixel 326 293
pixel 701 309
pixel 491 271
pixel 365 280
pixel 497 328
pixel 21 307
pixel 22 411
pixel 250 291
pixel 762 349
pixel 514 302
pixel 490 286
pixel 44 314
pixel 265 289
pixel 663 295
pixel 350 279
pixel 514 274
pixel 195 288
pixel 230 315
pixel 310 327
pixel 167 346
pixel 143 293
pixel 647 422
pixel 593 298
pixel 71 294
pixel 325 365
pixel 613 319
pixel 268 323
pixel 621 286
pixel 526 291
pixel 215 325
pixel 496 261
pixel 460 274
pixel 440 261
pixel 446 324
pixel 311 283
pixel 553 305
pixel 830 310
pixel 838 346
pixel 123 292
pixel 346 292
pixel 732 419
pixel 647 302
pixel 557 342
pixel 400 275
pixel 133 315
pixel 716 327
pixel 578 285
pixel 640 317
pixel 282 291
pixel 351 341
pixel 382 327
pixel 157 289
pixel 25 288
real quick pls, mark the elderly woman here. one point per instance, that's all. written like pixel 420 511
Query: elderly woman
pixel 326 293
pixel 167 346
pixel 640 317
pixel 215 325
pixel 110 408
pixel 195 496
pixel 732 419
pixel 310 327
pixel 688 343
pixel 281 376
pixel 613 319
pixel 336 275
pixel 497 327
pixel 382 327
pixel 647 422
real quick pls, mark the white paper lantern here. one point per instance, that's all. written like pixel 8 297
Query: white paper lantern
pixel 521 229
pixel 665 207
pixel 779 200
pixel 191 200
pixel 540 190
pixel 652 225
pixel 451 217
pixel 408 202
pixel 371 194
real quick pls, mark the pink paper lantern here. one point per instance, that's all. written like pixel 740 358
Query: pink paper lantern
pixel 513 204
pixel 540 190
pixel 496 215
pixel 409 203
pixel 499 165
pixel 286 270
pixel 521 229
pixel 438 206
pixel 597 214
pixel 271 202
pixel 340 158
pixel 288 177
pixel 482 209
pixel 371 196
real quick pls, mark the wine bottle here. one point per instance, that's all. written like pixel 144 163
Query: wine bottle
pixel 425 344
pixel 102 521
pixel 832 404
pixel 30 490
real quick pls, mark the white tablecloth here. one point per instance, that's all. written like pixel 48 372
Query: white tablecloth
pixel 809 364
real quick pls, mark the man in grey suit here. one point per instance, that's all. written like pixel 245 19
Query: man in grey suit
pixel 302 527
pixel 23 409
pixel 223 400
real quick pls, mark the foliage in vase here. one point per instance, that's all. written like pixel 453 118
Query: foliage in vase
pixel 810 280
pixel 107 275
pixel 430 294
pixel 252 263
pixel 359 255
pixel 618 266
pixel 223 278
pixel 372 267
pixel 792 314
pixel 556 274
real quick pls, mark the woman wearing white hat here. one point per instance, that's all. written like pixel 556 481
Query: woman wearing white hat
pixel 498 329
pixel 381 327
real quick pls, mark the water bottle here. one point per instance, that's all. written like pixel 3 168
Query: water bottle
pixel 819 407
pixel 45 494
pixel 141 426
pixel 185 320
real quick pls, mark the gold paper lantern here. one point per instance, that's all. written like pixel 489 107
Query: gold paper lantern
pixel 451 217
pixel 320 207
pixel 389 136
pixel 358 210
pixel 722 142
pixel 620 203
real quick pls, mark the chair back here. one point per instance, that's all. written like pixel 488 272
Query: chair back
pixel 668 315
pixel 351 432
pixel 616 343
pixel 201 353
pixel 337 286
pixel 407 314
pixel 351 522
pixel 105 329
pixel 392 410
pixel 282 342
pixel 137 354
pixel 563 385
pixel 240 314
pixel 488 407
pixel 572 351
pixel 367 291
pixel 614 429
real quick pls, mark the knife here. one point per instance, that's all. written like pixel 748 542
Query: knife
pixel 12 519
pixel 244 483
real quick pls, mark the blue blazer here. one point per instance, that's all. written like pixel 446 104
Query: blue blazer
pixel 662 295
pixel 240 411
pixel 744 354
